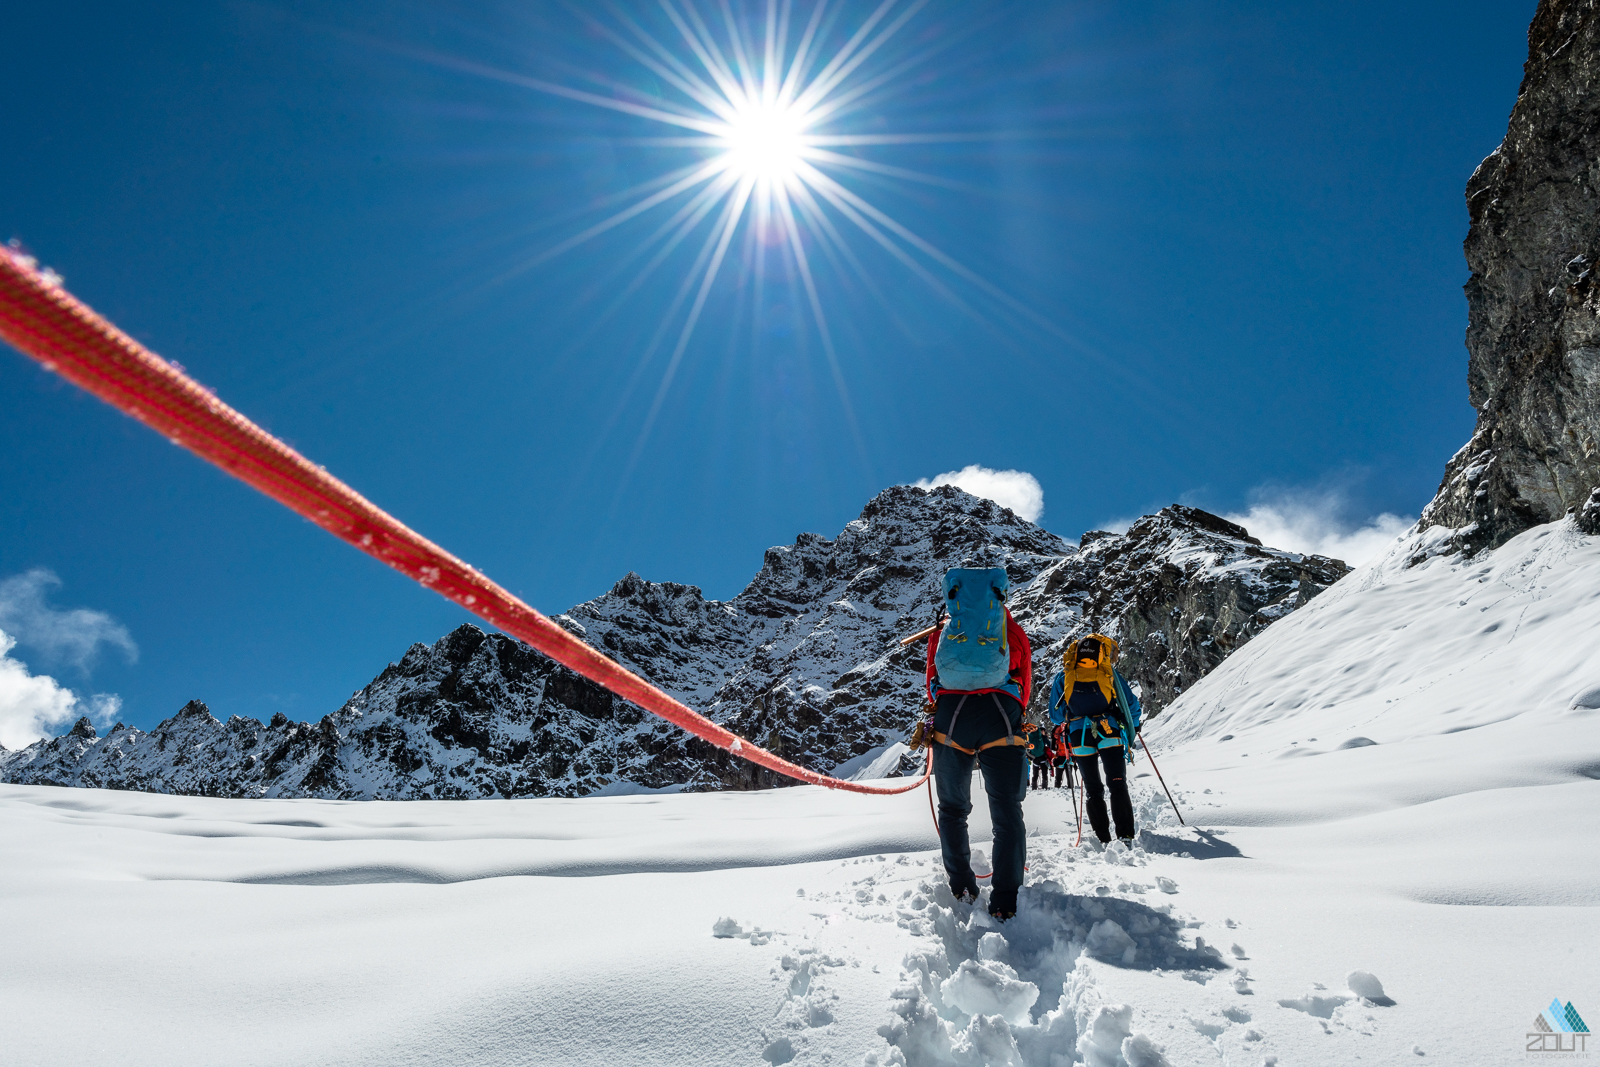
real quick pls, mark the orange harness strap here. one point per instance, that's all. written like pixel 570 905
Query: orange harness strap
pixel 1012 740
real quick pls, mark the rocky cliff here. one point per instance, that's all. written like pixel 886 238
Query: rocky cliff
pixel 1180 591
pixel 1533 300
pixel 804 661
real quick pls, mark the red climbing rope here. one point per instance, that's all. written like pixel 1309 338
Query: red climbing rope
pixel 41 319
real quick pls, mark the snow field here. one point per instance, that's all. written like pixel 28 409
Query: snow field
pixel 1392 857
pixel 142 928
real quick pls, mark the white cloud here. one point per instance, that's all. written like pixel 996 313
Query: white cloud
pixel 33 705
pixel 1017 490
pixel 1115 526
pixel 73 636
pixel 1316 522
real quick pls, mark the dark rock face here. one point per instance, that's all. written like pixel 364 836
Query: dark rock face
pixel 1533 301
pixel 805 661
pixel 824 678
pixel 1589 514
pixel 1179 591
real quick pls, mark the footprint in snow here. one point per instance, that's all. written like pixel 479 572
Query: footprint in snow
pixel 806 1004
pixel 1017 993
pixel 729 928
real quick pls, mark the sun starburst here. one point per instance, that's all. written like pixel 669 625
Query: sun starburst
pixel 767 101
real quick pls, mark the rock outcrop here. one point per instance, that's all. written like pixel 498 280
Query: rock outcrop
pixel 805 661
pixel 1180 591
pixel 1533 300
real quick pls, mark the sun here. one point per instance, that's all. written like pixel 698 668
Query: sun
pixel 776 105
pixel 765 142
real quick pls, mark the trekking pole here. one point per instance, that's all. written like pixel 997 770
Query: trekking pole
pixel 1072 791
pixel 1160 779
pixel 1078 804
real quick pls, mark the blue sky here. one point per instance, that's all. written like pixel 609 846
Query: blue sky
pixel 1213 254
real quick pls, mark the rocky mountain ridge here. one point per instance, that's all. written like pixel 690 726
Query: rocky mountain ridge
pixel 804 661
pixel 1533 300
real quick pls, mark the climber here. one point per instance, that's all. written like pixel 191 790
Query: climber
pixel 1101 715
pixel 1038 755
pixel 1058 751
pixel 979 677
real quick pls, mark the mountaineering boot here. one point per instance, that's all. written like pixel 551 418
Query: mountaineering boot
pixel 1002 905
pixel 1099 821
pixel 964 893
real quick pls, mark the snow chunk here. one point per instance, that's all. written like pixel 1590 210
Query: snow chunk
pixel 1140 1051
pixel 726 928
pixel 1316 1005
pixel 1101 1043
pixel 1365 985
pixel 1110 942
pixel 989 988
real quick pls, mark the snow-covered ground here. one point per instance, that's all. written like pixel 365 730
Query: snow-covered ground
pixel 1399 779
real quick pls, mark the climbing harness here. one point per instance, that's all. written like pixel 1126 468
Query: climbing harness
pixel 1009 739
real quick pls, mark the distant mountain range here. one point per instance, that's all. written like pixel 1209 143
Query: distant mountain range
pixel 805 661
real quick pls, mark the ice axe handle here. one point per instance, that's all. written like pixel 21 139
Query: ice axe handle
pixel 918 636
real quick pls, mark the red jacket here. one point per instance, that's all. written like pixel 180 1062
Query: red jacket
pixel 1021 664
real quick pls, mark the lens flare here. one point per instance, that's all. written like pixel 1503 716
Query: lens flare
pixel 768 106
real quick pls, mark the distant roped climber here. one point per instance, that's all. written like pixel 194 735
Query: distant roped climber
pixel 1059 756
pixel 1101 714
pixel 980 673
pixel 1039 755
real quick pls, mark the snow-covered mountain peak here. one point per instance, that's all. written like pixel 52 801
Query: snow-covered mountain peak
pixel 805 661
pixel 1181 590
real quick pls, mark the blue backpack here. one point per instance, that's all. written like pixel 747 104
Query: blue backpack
pixel 973 651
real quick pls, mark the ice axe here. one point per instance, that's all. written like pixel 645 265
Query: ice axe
pixel 920 634
pixel 1077 811
pixel 1162 780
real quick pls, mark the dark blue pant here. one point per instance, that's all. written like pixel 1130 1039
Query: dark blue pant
pixel 1005 779
pixel 1094 794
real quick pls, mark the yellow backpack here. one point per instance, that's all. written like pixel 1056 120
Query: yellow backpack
pixel 1090 659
